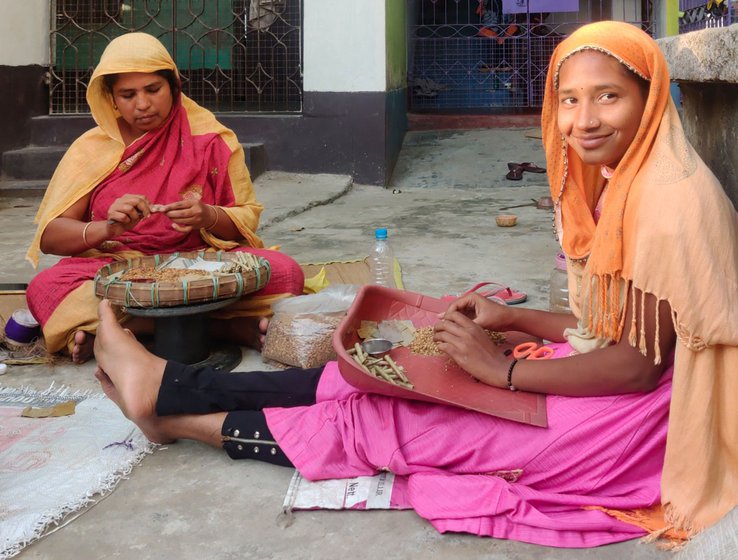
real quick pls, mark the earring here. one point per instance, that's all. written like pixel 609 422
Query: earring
pixel 115 106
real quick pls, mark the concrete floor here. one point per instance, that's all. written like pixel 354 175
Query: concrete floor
pixel 188 501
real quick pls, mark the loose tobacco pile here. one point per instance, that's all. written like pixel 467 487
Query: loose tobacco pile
pixel 152 274
pixel 386 368
pixel 238 263
pixel 424 345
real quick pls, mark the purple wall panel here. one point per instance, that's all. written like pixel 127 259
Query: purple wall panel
pixel 535 6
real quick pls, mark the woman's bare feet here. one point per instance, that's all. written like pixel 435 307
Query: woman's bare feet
pixel 83 344
pixel 129 374
pixel 263 326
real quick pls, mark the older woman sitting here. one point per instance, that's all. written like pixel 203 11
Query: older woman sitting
pixel 158 174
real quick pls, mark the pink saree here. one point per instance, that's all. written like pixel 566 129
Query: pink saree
pixel 465 471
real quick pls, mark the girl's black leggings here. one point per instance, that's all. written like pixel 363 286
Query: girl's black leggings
pixel 203 390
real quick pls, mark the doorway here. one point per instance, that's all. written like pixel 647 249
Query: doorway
pixel 485 56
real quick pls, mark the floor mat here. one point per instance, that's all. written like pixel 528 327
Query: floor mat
pixel 51 468
pixel 348 272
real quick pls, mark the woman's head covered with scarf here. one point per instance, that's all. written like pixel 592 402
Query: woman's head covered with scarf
pixel 96 154
pixel 132 52
pixel 576 186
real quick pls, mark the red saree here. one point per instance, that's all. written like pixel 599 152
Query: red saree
pixel 191 155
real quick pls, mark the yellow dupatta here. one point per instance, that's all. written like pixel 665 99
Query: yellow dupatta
pixel 95 154
pixel 669 230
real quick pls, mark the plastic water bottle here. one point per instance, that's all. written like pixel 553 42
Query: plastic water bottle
pixel 382 260
pixel 558 294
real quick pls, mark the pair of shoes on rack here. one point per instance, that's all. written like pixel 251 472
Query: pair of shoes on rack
pixel 425 87
pixel 517 169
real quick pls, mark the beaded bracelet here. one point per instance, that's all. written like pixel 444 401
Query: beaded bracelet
pixel 509 375
pixel 84 235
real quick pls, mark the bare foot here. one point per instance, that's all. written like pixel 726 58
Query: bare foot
pixel 129 374
pixel 107 386
pixel 82 349
pixel 263 326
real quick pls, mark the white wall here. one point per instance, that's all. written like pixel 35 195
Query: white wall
pixel 24 32
pixel 344 42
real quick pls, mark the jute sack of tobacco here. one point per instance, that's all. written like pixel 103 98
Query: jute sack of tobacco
pixel 301 331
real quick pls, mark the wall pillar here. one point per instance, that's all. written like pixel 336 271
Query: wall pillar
pixel 24 55
pixel 354 82
pixel 706 68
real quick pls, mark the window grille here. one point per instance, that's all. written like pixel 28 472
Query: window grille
pixel 233 55
pixel 474 56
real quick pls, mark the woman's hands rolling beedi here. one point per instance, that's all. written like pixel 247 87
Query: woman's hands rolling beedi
pixel 461 333
pixel 127 211
pixel 189 214
pixel 468 344
pixel 485 313
pixel 186 215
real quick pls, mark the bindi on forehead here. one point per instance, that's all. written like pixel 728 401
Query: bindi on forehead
pixel 604 86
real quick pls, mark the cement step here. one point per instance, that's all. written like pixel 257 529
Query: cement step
pixel 256 158
pixel 59 130
pixel 32 162
pixel 37 163
pixel 14 188
pixel 62 130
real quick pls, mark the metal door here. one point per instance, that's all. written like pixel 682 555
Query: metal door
pixel 481 56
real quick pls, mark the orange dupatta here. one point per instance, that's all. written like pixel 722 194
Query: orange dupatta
pixel 667 229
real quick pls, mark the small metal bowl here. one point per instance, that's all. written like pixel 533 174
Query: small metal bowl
pixel 376 346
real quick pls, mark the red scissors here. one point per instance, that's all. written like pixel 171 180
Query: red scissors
pixel 531 351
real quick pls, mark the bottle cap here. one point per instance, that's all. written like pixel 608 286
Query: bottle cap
pixel 380 233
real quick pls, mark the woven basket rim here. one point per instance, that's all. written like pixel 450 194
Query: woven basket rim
pixel 148 294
